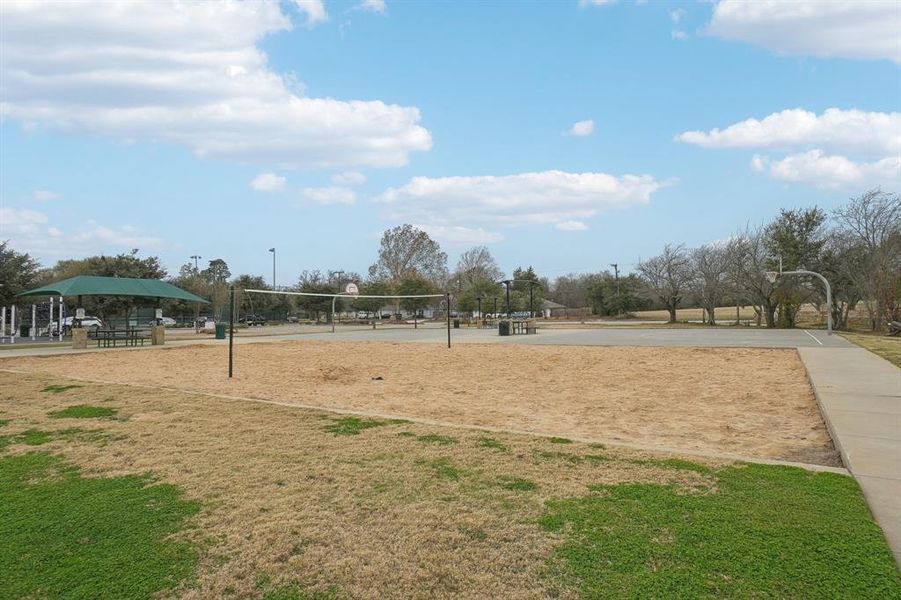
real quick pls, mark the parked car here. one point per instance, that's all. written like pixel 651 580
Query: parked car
pixel 253 320
pixel 167 322
pixel 88 322
pixel 292 319
pixel 201 321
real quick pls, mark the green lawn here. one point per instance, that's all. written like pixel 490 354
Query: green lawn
pixel 83 411
pixel 67 536
pixel 765 532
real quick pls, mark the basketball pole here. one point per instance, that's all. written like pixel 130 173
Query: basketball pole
pixel 447 305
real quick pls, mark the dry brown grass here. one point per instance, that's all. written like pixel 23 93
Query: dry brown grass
pixel 880 344
pixel 724 314
pixel 375 515
pixel 749 402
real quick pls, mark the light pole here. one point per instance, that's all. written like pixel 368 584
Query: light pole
pixel 616 279
pixel 479 302
pixel 196 258
pixel 273 267
pixel 773 275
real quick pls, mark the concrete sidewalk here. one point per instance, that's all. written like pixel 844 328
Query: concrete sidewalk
pixel 860 398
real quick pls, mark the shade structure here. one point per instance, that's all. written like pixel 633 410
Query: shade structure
pixel 91 285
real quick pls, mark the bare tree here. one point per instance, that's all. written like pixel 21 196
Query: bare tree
pixel 710 266
pixel 872 223
pixel 477 264
pixel 406 251
pixel 749 258
pixel 668 276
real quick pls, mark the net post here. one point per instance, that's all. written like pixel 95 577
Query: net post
pixel 447 306
pixel 231 330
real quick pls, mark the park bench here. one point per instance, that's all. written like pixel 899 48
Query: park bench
pixel 128 337
pixel 894 328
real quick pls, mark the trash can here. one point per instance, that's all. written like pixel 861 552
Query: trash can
pixel 220 331
pixel 456 323
pixel 24 329
pixel 503 328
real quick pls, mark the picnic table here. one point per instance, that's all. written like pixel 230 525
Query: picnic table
pixel 524 327
pixel 127 337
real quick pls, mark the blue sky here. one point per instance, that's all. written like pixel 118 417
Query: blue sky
pixel 226 129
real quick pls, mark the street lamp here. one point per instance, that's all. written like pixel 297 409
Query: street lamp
pixel 196 257
pixel 773 275
pixel 273 267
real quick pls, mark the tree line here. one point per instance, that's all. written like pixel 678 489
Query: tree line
pixel 857 248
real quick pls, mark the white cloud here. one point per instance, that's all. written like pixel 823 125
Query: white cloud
pixel 188 73
pixel 16 223
pixel 30 231
pixel 329 195
pixel 455 235
pixel 856 29
pixel 585 3
pixel 373 5
pixel 582 128
pixel 571 226
pixel 313 9
pixel 349 178
pixel 489 202
pixel 830 171
pixel 833 149
pixel 45 195
pixel 677 34
pixel 676 15
pixel 268 182
pixel 873 133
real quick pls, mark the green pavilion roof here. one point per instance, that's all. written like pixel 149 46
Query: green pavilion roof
pixel 89 285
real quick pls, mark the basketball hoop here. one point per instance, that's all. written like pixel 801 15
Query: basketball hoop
pixel 351 289
pixel 771 276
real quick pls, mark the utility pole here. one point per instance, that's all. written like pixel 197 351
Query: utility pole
pixel 273 267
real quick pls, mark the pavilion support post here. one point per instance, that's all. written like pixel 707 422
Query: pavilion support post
pixel 34 322
pixel 79 338
pixel 158 331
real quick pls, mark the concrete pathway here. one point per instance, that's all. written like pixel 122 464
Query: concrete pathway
pixel 860 398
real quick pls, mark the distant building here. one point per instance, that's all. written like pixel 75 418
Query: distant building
pixel 550 309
